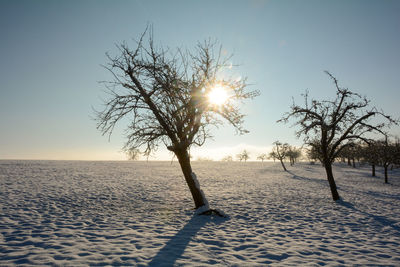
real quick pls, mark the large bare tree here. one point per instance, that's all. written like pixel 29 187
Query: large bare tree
pixel 172 98
pixel 329 126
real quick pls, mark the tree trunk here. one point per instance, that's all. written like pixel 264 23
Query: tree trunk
pixel 354 163
pixel 386 173
pixel 331 180
pixel 198 196
pixel 348 161
pixel 283 165
pixel 373 170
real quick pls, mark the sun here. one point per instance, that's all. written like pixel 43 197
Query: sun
pixel 217 95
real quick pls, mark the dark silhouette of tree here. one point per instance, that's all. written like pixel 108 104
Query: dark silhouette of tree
pixel 293 154
pixel 314 151
pixel 244 155
pixel 313 154
pixel 370 154
pixel 280 151
pixel 165 95
pixel 396 152
pixel 345 154
pixel 386 155
pixel 332 125
pixel 272 155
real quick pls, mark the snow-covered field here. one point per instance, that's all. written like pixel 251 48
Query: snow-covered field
pixel 139 213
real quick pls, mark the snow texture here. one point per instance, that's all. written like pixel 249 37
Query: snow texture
pixel 73 213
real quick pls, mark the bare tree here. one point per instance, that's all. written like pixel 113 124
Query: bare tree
pixel 331 125
pixel 386 155
pixel 262 157
pixel 244 155
pixel 166 95
pixel 293 154
pixel 272 155
pixel 370 154
pixel 351 152
pixel 280 151
pixel 314 151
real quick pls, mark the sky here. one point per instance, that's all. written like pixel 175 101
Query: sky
pixel 52 51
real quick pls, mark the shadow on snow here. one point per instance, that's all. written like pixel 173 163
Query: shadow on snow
pixel 320 181
pixel 175 247
pixel 379 220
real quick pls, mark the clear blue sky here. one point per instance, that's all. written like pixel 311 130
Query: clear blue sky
pixel 51 52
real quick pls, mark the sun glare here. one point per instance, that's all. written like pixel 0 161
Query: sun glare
pixel 218 95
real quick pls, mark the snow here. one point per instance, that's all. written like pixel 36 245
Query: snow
pixel 76 213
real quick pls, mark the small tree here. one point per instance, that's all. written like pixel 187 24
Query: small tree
pixel 262 157
pixel 227 158
pixel 272 155
pixel 172 98
pixel 293 154
pixel 314 151
pixel 386 155
pixel 370 154
pixel 397 152
pixel 244 155
pixel 332 125
pixel 346 154
pixel 280 151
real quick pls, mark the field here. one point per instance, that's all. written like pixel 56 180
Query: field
pixel 77 213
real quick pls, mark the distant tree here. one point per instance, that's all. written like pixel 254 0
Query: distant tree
pixel 332 125
pixel 346 154
pixel 133 154
pixel 314 152
pixel 262 157
pixel 227 158
pixel 244 155
pixel 293 154
pixel 350 153
pixel 272 155
pixel 370 154
pixel 167 96
pixel 396 155
pixel 280 152
pixel 386 152
pixel 204 159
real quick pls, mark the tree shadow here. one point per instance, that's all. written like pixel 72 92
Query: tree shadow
pixel 379 220
pixel 295 176
pixel 175 247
